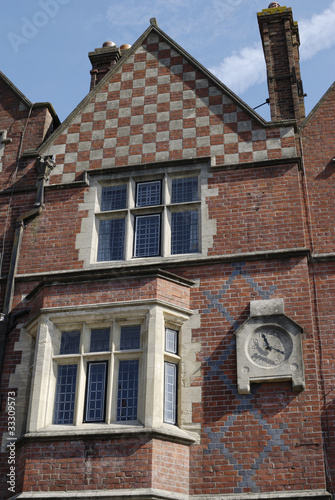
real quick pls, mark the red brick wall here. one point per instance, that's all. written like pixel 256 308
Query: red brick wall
pixel 271 438
pixel 323 275
pixel 10 209
pixel 110 291
pixel 257 209
pixel 84 465
pixel 318 143
pixel 114 464
pixel 17 119
pixel 49 241
pixel 170 467
pixel 12 359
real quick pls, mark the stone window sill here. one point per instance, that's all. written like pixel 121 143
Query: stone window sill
pixel 110 431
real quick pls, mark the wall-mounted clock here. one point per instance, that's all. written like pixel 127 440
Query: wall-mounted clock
pixel 268 347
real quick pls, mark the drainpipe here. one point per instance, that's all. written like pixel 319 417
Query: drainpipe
pixel 8 322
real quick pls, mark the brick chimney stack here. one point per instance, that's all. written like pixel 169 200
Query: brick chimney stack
pixel 102 60
pixel 280 38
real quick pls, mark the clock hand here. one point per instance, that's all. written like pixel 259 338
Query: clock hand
pixel 278 350
pixel 267 345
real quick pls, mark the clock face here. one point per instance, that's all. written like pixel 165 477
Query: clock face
pixel 269 346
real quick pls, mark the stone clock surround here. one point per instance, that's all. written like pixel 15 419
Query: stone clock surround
pixel 281 335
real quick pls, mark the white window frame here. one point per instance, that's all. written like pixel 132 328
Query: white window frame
pixel 84 357
pixel 48 328
pixel 172 358
pixel 164 209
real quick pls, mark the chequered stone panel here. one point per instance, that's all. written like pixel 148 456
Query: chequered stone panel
pixel 159 107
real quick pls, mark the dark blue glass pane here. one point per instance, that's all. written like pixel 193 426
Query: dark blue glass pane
pixel 147 235
pixel 148 193
pixel 96 392
pixel 114 197
pixel 185 189
pixel 127 390
pixel 111 239
pixel 184 232
pixel 130 337
pixel 99 340
pixel 65 394
pixel 70 342
pixel 170 393
pixel 171 341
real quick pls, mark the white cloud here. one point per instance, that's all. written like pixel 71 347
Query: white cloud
pixel 242 69
pixel 246 68
pixel 317 33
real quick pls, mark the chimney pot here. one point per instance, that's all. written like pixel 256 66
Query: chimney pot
pixel 109 44
pixel 273 4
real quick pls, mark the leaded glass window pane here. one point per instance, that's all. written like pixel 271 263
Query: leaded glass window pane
pixel 171 341
pixel 70 342
pixel 184 189
pixel 99 339
pixel 111 239
pixel 65 394
pixel 184 232
pixel 127 390
pixel 147 235
pixel 96 392
pixel 130 337
pixel 170 393
pixel 114 197
pixel 148 193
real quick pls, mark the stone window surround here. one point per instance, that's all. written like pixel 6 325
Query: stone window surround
pixel 164 209
pixel 154 317
pixel 87 239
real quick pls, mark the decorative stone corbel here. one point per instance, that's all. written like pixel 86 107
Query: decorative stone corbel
pixel 44 166
pixel 3 137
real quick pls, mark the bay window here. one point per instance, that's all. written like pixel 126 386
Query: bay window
pixel 104 368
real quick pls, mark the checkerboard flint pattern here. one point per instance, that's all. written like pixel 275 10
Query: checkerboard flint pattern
pixel 160 107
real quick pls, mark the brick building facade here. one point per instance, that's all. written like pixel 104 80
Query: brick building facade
pixel 167 283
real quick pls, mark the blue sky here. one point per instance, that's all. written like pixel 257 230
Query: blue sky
pixel 44 43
